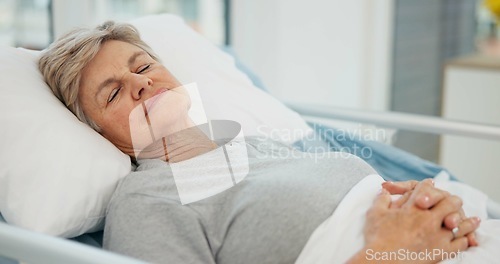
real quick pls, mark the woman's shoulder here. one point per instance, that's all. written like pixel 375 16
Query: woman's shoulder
pixel 150 179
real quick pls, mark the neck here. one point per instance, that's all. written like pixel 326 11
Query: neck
pixel 179 146
pixel 187 144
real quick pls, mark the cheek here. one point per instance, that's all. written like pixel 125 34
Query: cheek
pixel 164 76
pixel 116 125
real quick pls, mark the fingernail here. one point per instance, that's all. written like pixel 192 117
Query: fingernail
pixel 476 219
pixel 426 199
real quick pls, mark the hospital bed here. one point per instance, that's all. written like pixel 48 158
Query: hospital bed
pixel 25 246
pixel 31 247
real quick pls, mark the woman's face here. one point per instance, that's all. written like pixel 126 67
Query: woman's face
pixel 123 88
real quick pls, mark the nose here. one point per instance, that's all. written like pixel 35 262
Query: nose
pixel 137 84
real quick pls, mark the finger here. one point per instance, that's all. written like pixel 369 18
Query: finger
pixel 399 187
pixel 459 245
pixel 401 200
pixel 471 238
pixel 450 224
pixel 447 206
pixel 382 201
pixel 426 195
pixel 452 220
pixel 467 226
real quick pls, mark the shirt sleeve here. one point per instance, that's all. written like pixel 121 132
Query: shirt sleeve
pixel 156 230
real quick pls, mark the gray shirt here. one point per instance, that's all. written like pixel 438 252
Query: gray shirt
pixel 265 218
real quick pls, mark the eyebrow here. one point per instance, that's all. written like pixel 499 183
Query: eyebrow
pixel 134 56
pixel 111 80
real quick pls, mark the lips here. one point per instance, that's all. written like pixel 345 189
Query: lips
pixel 149 103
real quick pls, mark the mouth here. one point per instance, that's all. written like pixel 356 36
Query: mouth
pixel 149 103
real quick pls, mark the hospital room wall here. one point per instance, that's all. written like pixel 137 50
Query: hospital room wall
pixel 362 54
pixel 323 52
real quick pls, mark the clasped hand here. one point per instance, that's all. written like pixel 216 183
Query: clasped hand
pixel 424 218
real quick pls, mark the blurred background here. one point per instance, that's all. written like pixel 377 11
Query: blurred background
pixel 35 23
pixel 430 57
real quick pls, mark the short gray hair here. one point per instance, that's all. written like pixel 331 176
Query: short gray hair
pixel 62 62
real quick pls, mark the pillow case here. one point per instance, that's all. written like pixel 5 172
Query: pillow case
pixel 59 175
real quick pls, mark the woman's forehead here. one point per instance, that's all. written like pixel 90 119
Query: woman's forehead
pixel 113 54
pixel 115 50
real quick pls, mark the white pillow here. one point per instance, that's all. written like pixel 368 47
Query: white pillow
pixel 58 174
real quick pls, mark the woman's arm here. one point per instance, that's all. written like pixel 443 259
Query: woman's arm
pixel 412 230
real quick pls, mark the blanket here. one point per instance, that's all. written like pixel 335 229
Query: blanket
pixel 341 235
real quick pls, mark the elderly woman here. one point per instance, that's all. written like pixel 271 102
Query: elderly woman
pixel 112 81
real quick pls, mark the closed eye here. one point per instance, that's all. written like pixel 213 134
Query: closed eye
pixel 145 67
pixel 113 94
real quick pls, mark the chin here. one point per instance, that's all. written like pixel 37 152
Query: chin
pixel 166 114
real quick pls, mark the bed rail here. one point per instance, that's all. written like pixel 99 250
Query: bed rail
pixel 403 121
pixel 31 247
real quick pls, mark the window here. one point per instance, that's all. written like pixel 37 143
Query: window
pixel 34 23
pixel 25 23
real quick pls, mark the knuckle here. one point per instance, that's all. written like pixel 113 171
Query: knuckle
pixel 452 218
pixel 422 189
pixel 410 185
pixel 426 185
pixel 457 200
pixel 428 182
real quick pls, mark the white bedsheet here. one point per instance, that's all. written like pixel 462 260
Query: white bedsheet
pixel 341 235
